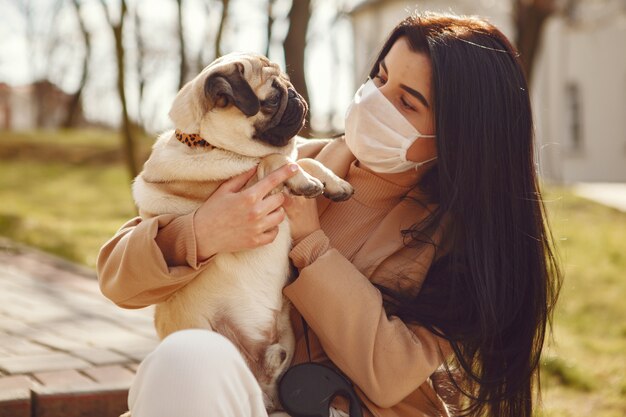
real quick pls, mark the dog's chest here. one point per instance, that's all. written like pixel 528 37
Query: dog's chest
pixel 194 190
pixel 245 286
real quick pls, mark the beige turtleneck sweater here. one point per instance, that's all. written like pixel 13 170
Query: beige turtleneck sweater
pixel 347 224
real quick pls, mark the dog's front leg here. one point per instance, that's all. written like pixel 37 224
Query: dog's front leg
pixel 335 188
pixel 300 184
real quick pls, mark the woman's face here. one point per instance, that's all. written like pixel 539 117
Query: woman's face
pixel 404 78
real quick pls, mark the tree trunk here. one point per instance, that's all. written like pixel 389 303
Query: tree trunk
pixel 530 16
pixel 294 46
pixel 270 23
pixel 74 108
pixel 127 134
pixel 220 29
pixel 181 43
pixel 141 76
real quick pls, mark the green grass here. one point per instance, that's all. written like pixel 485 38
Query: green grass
pixel 70 192
pixel 68 203
pixel 89 138
pixel 585 364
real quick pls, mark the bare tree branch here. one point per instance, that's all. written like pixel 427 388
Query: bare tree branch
pixel 294 46
pixel 141 55
pixel 127 134
pixel 270 23
pixel 530 16
pixel 74 105
pixel 220 29
pixel 181 43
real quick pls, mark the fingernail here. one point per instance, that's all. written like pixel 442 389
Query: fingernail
pixel 293 167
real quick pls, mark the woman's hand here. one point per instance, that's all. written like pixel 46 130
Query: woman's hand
pixel 303 216
pixel 233 219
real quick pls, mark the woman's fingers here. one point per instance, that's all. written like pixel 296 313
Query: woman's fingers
pixel 273 180
pixel 268 236
pixel 237 182
pixel 303 216
pixel 272 220
pixel 270 203
pixel 234 218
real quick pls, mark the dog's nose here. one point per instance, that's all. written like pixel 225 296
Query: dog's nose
pixel 291 93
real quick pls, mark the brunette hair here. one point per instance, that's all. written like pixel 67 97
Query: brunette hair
pixel 492 293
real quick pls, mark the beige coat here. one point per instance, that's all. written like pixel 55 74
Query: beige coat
pixel 390 363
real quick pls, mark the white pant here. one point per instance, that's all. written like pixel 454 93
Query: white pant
pixel 197 373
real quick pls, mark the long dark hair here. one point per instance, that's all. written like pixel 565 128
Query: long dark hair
pixel 492 293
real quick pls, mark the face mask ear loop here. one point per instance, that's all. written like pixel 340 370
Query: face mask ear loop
pixel 421 164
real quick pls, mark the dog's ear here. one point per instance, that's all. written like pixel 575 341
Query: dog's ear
pixel 187 109
pixel 222 89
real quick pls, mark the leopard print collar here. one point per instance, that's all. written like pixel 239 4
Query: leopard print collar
pixel 193 140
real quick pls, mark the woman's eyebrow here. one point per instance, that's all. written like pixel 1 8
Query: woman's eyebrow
pixel 408 89
pixel 415 94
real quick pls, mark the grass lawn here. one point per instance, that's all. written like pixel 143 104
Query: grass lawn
pixel 68 192
pixel 585 365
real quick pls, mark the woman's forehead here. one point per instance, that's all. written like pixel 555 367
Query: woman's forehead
pixel 412 68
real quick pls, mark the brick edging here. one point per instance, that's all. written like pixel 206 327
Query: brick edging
pixel 42 401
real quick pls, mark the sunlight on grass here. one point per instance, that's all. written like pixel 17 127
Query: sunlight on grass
pixel 67 209
pixel 69 212
pixel 93 138
pixel 585 367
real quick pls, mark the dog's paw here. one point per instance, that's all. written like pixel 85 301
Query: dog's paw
pixel 306 186
pixel 338 190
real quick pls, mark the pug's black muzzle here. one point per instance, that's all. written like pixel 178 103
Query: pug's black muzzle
pixel 291 121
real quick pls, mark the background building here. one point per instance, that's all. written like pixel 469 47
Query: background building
pixel 40 105
pixel 579 94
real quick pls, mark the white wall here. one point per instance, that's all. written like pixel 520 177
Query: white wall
pixel 23 110
pixel 592 56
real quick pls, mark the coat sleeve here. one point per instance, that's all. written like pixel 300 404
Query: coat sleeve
pixel 148 260
pixel 383 356
pixel 309 148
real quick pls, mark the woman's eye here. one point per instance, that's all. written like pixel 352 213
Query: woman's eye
pixel 380 79
pixel 406 104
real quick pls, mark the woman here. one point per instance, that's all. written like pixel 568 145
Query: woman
pixel 430 290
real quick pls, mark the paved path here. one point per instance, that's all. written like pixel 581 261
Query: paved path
pixel 609 194
pixel 65 350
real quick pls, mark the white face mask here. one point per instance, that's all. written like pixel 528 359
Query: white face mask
pixel 378 134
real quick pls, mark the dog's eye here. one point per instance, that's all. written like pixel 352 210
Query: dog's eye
pixel 272 101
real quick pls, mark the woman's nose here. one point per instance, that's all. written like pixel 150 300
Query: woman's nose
pixel 386 91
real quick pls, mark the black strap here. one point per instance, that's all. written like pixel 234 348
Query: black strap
pixel 305 326
pixel 307 389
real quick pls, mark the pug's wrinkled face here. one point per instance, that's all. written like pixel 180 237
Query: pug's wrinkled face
pixel 243 103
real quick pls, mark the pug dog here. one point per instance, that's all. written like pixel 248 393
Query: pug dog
pixel 240 112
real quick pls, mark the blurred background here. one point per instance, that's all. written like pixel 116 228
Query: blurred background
pixel 86 85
